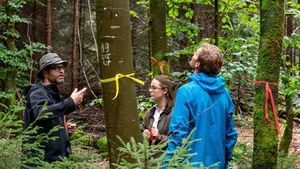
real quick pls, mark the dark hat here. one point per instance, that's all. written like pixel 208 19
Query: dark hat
pixel 49 59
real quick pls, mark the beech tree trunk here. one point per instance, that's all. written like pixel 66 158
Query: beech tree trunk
pixel 115 56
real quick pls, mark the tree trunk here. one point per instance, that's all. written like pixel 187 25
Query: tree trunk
pixel 81 20
pixel 288 132
pixel 74 58
pixel 35 56
pixel 216 32
pixel 196 19
pixel 11 73
pixel 270 50
pixel 114 40
pixel 158 36
pixel 48 23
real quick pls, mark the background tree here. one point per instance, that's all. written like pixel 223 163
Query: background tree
pixel 74 44
pixel 11 56
pixel 11 71
pixel 158 36
pixel 115 55
pixel 288 132
pixel 216 31
pixel 48 23
pixel 270 50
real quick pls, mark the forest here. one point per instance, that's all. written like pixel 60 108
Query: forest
pixel 115 48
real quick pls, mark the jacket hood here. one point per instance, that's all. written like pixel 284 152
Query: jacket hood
pixel 31 88
pixel 211 84
pixel 49 88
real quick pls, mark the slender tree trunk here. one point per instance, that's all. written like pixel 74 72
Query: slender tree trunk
pixel 74 58
pixel 115 55
pixel 48 23
pixel 157 35
pixel 196 19
pixel 35 56
pixel 81 20
pixel 216 32
pixel 135 21
pixel 288 133
pixel 11 74
pixel 270 50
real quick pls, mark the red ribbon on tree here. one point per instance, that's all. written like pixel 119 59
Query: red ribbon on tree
pixel 160 64
pixel 269 92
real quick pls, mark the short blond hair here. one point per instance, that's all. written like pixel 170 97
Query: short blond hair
pixel 210 58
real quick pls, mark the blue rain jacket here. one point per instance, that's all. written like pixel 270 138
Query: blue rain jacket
pixel 204 104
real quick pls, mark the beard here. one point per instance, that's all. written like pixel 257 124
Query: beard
pixel 59 80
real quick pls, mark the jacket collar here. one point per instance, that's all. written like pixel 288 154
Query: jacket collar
pixel 166 110
pixel 51 88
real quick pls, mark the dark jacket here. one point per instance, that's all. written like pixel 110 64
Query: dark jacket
pixel 37 96
pixel 162 125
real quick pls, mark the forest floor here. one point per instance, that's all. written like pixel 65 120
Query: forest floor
pixel 93 117
pixel 245 135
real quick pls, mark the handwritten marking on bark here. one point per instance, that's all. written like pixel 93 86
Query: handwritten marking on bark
pixel 105 56
pixel 115 27
pixel 112 37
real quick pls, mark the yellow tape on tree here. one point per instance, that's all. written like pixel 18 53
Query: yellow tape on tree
pixel 116 79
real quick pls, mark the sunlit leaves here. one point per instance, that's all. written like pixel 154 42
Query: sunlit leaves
pixel 133 13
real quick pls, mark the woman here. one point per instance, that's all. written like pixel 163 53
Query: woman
pixel 157 119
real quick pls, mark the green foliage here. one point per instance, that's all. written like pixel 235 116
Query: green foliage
pixel 182 27
pixel 242 155
pixel 133 13
pixel 84 140
pixel 95 102
pixel 180 78
pixel 145 156
pixel 287 161
pixel 143 104
pixel 70 164
pixel 10 56
pixel 102 144
pixel 240 22
pixel 103 147
pixel 143 3
pixel 13 151
pixel 291 85
pixel 78 133
pixel 10 124
pixel 294 9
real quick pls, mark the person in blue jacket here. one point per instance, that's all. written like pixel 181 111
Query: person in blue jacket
pixel 205 106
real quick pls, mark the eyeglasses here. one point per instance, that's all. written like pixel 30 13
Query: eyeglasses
pixel 154 88
pixel 58 68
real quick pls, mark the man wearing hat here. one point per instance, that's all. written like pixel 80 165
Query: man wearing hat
pixel 46 94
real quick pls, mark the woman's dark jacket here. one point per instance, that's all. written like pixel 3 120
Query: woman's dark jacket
pixel 37 96
pixel 162 125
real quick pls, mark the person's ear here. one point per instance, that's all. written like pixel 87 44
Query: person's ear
pixel 165 90
pixel 45 73
pixel 197 64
